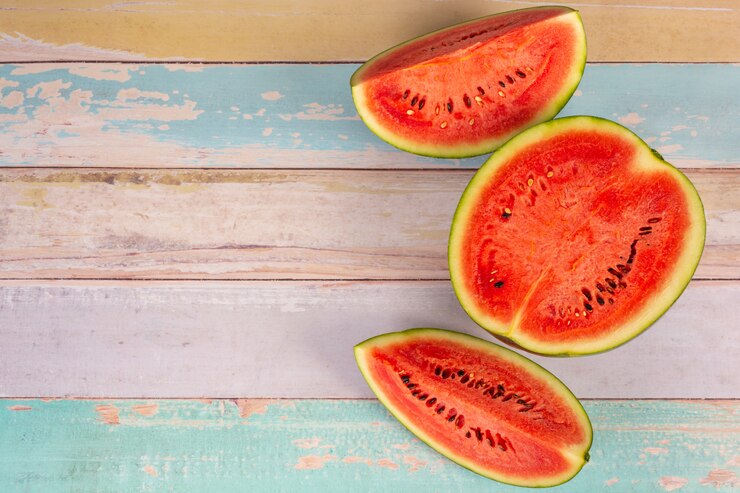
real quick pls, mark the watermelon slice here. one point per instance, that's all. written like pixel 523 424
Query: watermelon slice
pixel 485 407
pixel 574 237
pixel 465 90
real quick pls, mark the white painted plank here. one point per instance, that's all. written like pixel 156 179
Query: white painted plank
pixel 295 339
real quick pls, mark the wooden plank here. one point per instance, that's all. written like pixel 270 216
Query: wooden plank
pixel 333 446
pixel 313 30
pixel 216 224
pixel 297 116
pixel 295 339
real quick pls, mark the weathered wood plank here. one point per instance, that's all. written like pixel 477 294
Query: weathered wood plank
pixel 230 30
pixel 297 116
pixel 334 446
pixel 216 224
pixel 295 339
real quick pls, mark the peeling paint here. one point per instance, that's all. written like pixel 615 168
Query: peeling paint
pixel 19 408
pixel 387 463
pixel 271 95
pixel 720 477
pixel 108 414
pixel 401 446
pixel 35 197
pixel 611 482
pixel 631 119
pixel 314 461
pixel 669 149
pixel 672 483
pixel 248 407
pixel 656 450
pixel 414 463
pixel 150 470
pixel 307 442
pixel 145 409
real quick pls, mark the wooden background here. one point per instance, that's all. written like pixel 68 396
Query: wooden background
pixel 193 237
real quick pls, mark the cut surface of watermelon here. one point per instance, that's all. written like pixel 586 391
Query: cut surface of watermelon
pixel 574 237
pixel 485 407
pixel 464 90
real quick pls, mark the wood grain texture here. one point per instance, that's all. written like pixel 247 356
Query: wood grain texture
pixel 334 446
pixel 217 224
pixel 295 339
pixel 298 116
pixel 314 30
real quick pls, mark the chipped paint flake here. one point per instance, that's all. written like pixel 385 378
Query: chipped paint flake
pixel 669 149
pixel 387 463
pixel 114 72
pixel 307 442
pixel 19 408
pixel 145 409
pixel 271 95
pixel 631 119
pixel 184 67
pixel 266 132
pixel 720 477
pixel 316 111
pixel 672 483
pixel 656 450
pixel 414 463
pixel 150 470
pixel 248 407
pixel 14 99
pixel 133 93
pixel 611 482
pixel 108 414
pixel 314 461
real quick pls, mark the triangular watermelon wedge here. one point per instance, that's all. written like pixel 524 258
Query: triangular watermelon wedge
pixel 465 90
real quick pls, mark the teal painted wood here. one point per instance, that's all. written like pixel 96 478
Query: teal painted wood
pixel 301 115
pixel 334 446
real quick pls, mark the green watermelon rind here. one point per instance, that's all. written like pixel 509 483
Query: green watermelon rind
pixel 570 84
pixel 582 456
pixel 682 276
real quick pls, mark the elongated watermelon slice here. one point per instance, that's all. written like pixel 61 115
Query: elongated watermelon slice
pixel 465 90
pixel 574 237
pixel 485 407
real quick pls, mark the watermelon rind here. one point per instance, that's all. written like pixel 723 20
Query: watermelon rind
pixel 569 82
pixel 578 457
pixel 661 302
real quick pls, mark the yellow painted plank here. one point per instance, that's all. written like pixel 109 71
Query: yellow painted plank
pixel 216 224
pixel 263 30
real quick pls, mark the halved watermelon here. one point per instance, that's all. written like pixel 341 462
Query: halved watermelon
pixel 487 408
pixel 465 90
pixel 574 237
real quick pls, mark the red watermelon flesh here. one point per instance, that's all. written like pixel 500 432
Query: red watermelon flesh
pixel 465 90
pixel 485 407
pixel 574 237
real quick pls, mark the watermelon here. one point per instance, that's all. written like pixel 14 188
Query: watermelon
pixel 485 407
pixel 574 237
pixel 465 90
